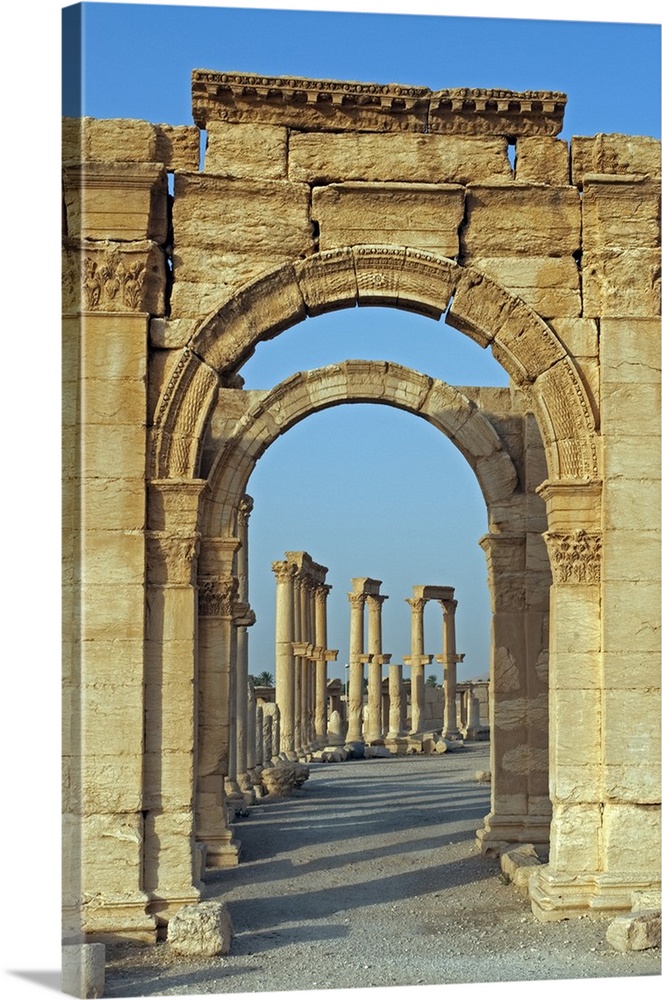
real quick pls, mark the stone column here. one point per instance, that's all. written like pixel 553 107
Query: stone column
pixel 450 659
pixel 217 608
pixel 374 726
pixel 250 726
pixel 242 625
pixel 395 701
pixel 321 679
pixel 417 662
pixel 259 736
pixel 355 696
pixel 285 679
pixel 298 666
pixel 305 636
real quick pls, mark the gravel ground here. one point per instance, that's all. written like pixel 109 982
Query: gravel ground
pixel 369 877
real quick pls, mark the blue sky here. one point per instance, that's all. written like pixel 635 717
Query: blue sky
pixel 368 490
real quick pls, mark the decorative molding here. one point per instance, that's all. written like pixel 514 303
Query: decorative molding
pixel 217 596
pixel 347 104
pixel 285 571
pixel 357 600
pixel 417 604
pixel 575 556
pixel 244 510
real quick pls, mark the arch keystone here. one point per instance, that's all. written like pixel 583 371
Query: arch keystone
pixel 378 270
pixel 327 281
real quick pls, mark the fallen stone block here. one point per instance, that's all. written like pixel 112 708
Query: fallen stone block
pixel 83 969
pixel 201 929
pixel 442 746
pixel 455 744
pixel 484 777
pixel 282 778
pixel 355 750
pixel 635 931
pixel 515 859
pixel 377 751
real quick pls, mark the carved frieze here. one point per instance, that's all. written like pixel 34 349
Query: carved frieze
pixel 471 111
pixel 575 556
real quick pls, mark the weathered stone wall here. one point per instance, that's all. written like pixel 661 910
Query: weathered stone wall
pixel 318 195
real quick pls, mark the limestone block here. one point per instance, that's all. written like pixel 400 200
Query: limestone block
pixel 620 214
pixel 614 154
pixel 111 611
pixel 178 147
pixel 542 160
pixel 170 614
pixel 549 285
pixel 625 670
pixel 113 347
pixel 247 151
pixel 645 900
pixel 114 503
pixel 170 333
pixel 483 777
pixel 517 857
pixel 113 277
pixel 638 497
pixel 111 849
pixel 516 220
pixel 96 782
pixel 172 714
pixel 259 218
pixel 283 778
pixel 107 718
pixel 204 929
pixel 377 751
pixel 108 140
pixel 624 404
pixel 327 281
pixel 579 336
pixel 83 969
pixel 635 932
pixel 169 778
pixel 631 555
pixel 113 452
pixel 111 557
pixel 116 201
pixel 425 216
pixel 578 608
pixel 573 712
pixel 637 781
pixel 575 835
pixel 639 630
pixel 620 282
pixel 629 736
pixel 574 783
pixel 327 158
pixel 630 352
pixel 627 853
pixel 170 859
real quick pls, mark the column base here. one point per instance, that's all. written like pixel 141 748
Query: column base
pixel 498 831
pixel 223 852
pixel 117 920
pixel 559 897
pixel 397 745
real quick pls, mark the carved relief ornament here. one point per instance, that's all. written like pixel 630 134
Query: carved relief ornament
pixel 171 558
pixel 111 283
pixel 575 556
pixel 217 596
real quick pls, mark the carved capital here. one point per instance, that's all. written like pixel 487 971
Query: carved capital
pixel 217 596
pixel 416 604
pixel 171 559
pixel 244 510
pixel 284 570
pixel 448 607
pixel 110 277
pixel 575 556
pixel 356 600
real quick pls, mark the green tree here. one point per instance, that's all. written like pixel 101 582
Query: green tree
pixel 431 680
pixel 265 679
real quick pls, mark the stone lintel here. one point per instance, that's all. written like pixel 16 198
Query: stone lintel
pixel 333 105
pixel 365 586
pixel 381 658
pixel 329 655
pixel 447 658
pixel 434 593
pixel 306 566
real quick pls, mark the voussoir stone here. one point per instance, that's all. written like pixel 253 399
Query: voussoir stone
pixel 201 929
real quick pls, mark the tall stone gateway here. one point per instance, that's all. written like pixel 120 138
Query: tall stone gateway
pixel 320 195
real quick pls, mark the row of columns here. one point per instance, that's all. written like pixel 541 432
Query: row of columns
pixel 301 653
pixel 365 592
